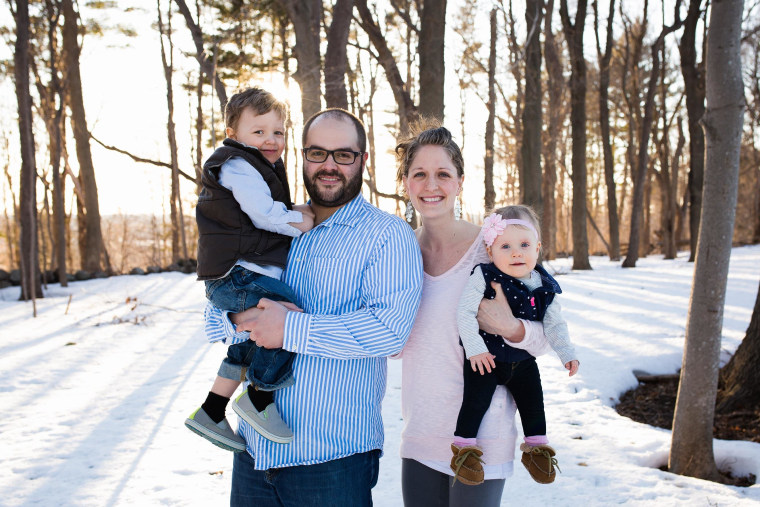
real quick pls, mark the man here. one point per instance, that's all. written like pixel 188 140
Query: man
pixel 358 278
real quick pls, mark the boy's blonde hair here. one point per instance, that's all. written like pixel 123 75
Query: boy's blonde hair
pixel 258 99
pixel 520 212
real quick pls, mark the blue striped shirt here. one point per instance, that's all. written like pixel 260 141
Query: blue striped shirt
pixel 358 277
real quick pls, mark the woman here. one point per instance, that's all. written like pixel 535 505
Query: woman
pixel 431 169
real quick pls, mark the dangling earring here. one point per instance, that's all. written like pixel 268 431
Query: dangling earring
pixel 409 214
pixel 457 209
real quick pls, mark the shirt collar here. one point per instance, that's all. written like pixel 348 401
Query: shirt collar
pixel 348 214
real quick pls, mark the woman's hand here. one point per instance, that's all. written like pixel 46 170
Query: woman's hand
pixel 482 362
pixel 496 317
pixel 572 366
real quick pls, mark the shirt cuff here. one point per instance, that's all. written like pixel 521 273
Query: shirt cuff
pixel 296 332
pixel 534 341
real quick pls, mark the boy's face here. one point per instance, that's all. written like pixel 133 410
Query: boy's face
pixel 266 132
pixel 515 251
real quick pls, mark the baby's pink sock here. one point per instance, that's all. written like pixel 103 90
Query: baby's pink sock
pixel 537 440
pixel 464 442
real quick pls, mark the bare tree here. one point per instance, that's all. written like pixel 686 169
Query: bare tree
pixel 530 176
pixel 604 121
pixel 93 238
pixel 490 194
pixel 175 202
pixel 430 50
pixel 574 35
pixel 335 56
pixel 691 451
pixel 30 270
pixel 555 86
pixel 642 162
pixel 694 86
pixel 204 60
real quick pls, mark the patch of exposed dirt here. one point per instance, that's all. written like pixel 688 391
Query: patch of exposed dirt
pixel 653 403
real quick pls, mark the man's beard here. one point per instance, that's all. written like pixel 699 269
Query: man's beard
pixel 347 191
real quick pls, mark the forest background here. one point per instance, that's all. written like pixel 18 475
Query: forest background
pixel 388 62
pixel 610 118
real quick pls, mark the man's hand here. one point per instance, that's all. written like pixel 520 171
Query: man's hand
pixel 482 362
pixel 496 317
pixel 266 323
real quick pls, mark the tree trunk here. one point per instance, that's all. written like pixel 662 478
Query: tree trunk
pixel 574 36
pixel 604 120
pixel 407 111
pixel 490 193
pixel 93 239
pixel 530 176
pixel 740 377
pixel 694 86
pixel 30 270
pixel 691 451
pixel 554 88
pixel 178 235
pixel 206 63
pixel 305 16
pixel 642 162
pixel 430 51
pixel 335 56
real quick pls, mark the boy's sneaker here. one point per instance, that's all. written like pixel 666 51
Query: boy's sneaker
pixel 467 464
pixel 540 462
pixel 221 434
pixel 267 423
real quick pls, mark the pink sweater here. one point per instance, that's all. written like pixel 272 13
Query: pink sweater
pixel 431 389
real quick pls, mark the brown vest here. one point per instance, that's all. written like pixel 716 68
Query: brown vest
pixel 226 234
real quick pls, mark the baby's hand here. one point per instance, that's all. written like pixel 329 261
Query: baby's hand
pixel 483 361
pixel 572 366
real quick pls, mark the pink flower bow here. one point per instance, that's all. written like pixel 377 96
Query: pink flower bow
pixel 493 226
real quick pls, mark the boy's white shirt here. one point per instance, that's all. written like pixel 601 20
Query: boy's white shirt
pixel 555 327
pixel 255 199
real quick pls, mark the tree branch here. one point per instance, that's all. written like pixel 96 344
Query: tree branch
pixel 140 159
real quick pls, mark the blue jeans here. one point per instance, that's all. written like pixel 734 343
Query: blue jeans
pixel 267 369
pixel 345 482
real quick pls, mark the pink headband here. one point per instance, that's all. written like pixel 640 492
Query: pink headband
pixel 495 224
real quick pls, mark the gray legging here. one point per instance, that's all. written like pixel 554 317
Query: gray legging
pixel 424 487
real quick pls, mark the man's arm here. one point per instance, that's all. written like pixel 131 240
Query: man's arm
pixel 255 199
pixel 390 294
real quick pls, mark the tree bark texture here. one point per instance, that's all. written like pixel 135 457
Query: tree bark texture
pixel 30 270
pixel 530 176
pixel 740 377
pixel 604 121
pixel 93 238
pixel 430 50
pixel 691 451
pixel 490 193
pixel 694 86
pixel 305 16
pixel 335 55
pixel 555 85
pixel 574 36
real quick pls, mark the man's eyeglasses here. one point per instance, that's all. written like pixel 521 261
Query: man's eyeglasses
pixel 342 157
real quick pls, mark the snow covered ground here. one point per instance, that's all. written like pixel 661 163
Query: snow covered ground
pixel 94 393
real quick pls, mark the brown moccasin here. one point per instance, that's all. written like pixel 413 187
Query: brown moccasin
pixel 540 462
pixel 467 464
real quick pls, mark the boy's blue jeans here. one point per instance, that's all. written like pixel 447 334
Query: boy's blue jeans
pixel 267 369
